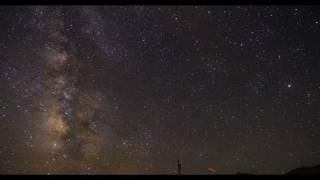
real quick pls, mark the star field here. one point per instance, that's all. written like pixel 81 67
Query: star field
pixel 131 89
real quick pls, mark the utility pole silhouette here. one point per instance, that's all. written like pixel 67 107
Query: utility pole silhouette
pixel 179 167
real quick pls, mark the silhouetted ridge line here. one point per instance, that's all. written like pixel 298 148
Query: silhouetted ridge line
pixel 305 170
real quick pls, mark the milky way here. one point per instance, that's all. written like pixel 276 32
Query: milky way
pixel 131 89
pixel 68 121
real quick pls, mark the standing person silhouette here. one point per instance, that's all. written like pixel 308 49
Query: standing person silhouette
pixel 179 167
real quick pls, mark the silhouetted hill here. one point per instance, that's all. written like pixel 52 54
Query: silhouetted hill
pixel 305 170
pixel 297 171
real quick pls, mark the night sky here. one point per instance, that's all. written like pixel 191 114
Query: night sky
pixel 132 89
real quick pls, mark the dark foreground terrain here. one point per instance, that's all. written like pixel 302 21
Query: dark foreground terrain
pixel 299 171
pixel 305 170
